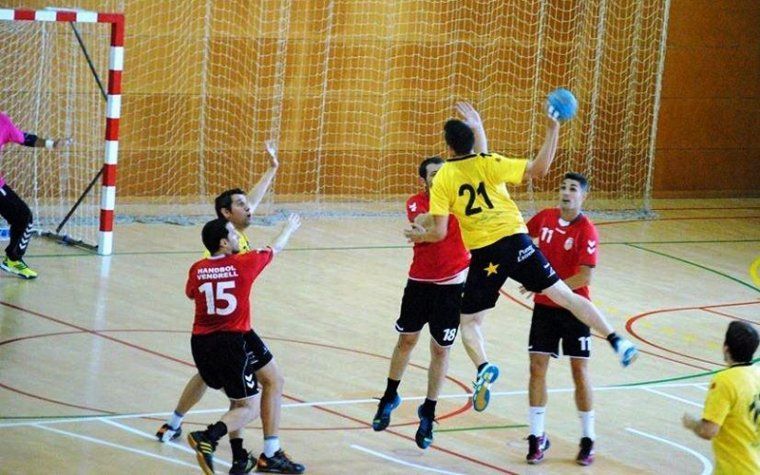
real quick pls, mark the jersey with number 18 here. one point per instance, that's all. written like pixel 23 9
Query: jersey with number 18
pixel 221 289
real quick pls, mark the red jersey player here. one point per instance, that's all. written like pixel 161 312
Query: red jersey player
pixel 432 295
pixel 223 344
pixel 570 243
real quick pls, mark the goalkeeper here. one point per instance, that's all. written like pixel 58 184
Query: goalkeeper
pixel 13 208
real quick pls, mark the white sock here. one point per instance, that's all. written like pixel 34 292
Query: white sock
pixel 271 445
pixel 587 421
pixel 536 418
pixel 175 420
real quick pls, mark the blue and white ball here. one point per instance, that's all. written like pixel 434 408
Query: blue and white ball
pixel 561 104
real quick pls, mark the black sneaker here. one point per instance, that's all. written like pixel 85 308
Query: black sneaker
pixel 168 433
pixel 278 463
pixel 383 415
pixel 586 453
pixel 244 465
pixel 537 446
pixel 424 435
pixel 204 450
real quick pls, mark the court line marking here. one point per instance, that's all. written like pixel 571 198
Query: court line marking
pixel 401 462
pixel 115 446
pixel 675 398
pixel 519 392
pixel 706 465
pixel 153 438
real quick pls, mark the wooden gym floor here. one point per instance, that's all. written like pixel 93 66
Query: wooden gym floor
pixel 94 353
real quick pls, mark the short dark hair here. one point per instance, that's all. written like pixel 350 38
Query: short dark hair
pixel 742 341
pixel 582 180
pixel 423 166
pixel 459 136
pixel 213 233
pixel 224 200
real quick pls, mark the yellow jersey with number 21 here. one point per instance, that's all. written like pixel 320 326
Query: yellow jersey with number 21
pixel 474 189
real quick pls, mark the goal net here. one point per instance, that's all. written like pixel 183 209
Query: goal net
pixel 51 64
pixel 354 93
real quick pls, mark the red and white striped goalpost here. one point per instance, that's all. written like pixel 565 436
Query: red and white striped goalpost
pixel 113 107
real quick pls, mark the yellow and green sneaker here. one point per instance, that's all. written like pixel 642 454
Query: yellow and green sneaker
pixel 18 267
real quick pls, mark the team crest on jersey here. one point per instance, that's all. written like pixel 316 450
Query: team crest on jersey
pixel 413 207
pixel 569 243
pixel 591 248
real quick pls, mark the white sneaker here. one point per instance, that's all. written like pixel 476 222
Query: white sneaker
pixel 627 353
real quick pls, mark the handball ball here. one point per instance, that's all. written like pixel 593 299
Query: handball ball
pixel 561 104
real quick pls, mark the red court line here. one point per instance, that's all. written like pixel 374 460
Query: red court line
pixel 462 409
pixel 54 401
pixel 324 409
pixel 733 317
pixel 634 319
pixel 641 350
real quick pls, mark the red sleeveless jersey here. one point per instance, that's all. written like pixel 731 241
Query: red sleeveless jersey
pixel 567 246
pixel 436 261
pixel 221 289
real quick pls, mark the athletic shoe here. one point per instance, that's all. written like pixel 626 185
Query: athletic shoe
pixel 243 466
pixel 586 454
pixel 383 415
pixel 18 267
pixel 626 352
pixel 424 435
pixel 278 463
pixel 204 450
pixel 537 446
pixel 481 394
pixel 168 433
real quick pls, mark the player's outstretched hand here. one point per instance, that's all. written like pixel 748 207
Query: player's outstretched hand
pixel 552 114
pixel 272 150
pixel 415 233
pixel 469 115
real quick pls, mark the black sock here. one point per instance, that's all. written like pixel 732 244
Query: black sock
pixel 391 390
pixel 480 368
pixel 216 431
pixel 238 452
pixel 428 408
pixel 613 339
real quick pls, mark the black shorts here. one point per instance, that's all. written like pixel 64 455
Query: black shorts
pixel 514 257
pixel 436 305
pixel 229 361
pixel 552 324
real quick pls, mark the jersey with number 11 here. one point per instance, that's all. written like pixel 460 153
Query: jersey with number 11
pixel 221 289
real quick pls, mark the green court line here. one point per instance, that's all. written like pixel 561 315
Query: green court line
pixel 459 429
pixel 669 380
pixel 367 248
pixel 739 281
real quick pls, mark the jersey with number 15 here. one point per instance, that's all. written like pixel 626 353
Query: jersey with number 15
pixel 221 289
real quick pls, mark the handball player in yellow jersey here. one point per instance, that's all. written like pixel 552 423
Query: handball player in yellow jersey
pixel 473 187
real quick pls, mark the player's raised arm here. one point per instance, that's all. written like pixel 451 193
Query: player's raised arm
pixel 539 166
pixel 293 222
pixel 260 189
pixel 472 119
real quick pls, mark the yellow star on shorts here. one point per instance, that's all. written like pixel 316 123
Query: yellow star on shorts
pixel 491 269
